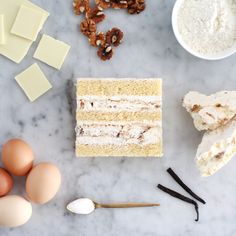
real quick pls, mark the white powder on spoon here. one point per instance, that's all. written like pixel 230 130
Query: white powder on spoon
pixel 82 206
pixel 208 26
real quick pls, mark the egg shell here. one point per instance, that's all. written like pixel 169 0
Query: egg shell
pixel 43 182
pixel 17 157
pixel 14 211
pixel 6 182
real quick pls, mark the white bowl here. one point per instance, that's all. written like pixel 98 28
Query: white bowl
pixel 179 38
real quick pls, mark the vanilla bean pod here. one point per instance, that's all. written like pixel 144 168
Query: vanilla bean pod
pixel 184 186
pixel 181 197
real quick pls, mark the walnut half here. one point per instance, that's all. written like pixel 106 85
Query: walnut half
pixel 96 14
pixel 97 39
pixel 114 37
pixel 119 4
pixel 136 6
pixel 104 4
pixel 105 52
pixel 80 6
pixel 88 27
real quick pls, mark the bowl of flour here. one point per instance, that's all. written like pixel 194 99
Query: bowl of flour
pixel 206 28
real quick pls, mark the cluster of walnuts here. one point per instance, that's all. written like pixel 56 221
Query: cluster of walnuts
pixel 94 15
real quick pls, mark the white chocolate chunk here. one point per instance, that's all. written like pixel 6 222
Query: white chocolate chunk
pixel 217 148
pixel 51 51
pixel 15 48
pixel 33 82
pixel 2 30
pixel 28 23
pixel 210 112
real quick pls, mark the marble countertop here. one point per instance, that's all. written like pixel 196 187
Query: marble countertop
pixel 149 50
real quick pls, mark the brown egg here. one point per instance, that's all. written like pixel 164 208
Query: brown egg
pixel 17 157
pixel 43 182
pixel 6 182
pixel 14 211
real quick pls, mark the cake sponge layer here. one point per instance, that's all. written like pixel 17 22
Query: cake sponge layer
pixel 118 116
pixel 110 87
pixel 152 150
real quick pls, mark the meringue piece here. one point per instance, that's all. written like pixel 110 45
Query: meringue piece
pixel 210 112
pixel 217 148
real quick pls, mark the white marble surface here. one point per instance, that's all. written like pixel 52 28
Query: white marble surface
pixel 149 50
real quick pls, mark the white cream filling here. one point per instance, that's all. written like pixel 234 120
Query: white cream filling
pixel 119 103
pixel 143 123
pixel 111 134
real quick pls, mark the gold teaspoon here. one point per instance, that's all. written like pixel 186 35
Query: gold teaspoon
pixel 86 206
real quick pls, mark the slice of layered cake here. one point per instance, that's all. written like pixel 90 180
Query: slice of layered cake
pixel 119 117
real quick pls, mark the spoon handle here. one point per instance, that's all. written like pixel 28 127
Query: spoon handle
pixel 125 205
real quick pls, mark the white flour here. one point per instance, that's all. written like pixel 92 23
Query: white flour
pixel 208 26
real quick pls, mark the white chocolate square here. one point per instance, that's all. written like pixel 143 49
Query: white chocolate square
pixel 28 23
pixel 51 51
pixel 15 48
pixel 2 30
pixel 33 82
